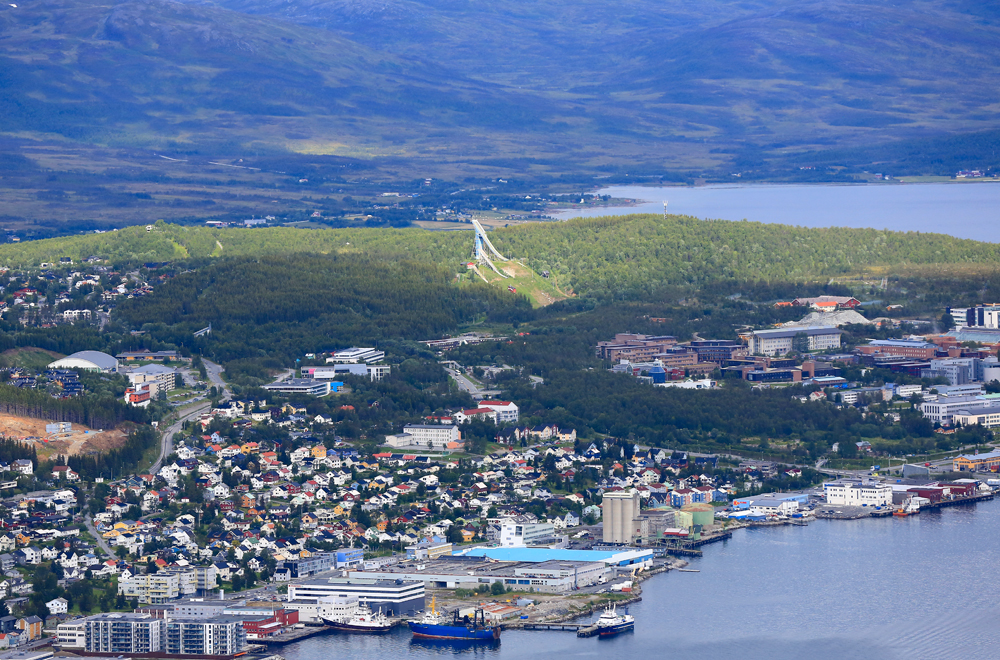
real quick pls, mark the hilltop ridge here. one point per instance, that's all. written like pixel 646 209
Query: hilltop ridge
pixel 607 257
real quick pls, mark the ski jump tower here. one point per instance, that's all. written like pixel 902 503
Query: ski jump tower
pixel 482 249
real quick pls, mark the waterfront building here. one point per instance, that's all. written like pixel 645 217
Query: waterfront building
pixel 123 633
pixel 221 635
pixel 331 608
pixel 619 511
pixel 858 492
pixel 394 596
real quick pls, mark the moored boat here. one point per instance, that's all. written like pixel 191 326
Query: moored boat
pixel 611 623
pixel 363 620
pixel 435 626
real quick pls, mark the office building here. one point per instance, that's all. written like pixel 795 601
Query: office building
pixel 308 386
pixel 982 316
pixel 356 355
pixel 785 340
pixel 634 348
pixel 719 351
pixel 910 348
pixel 331 608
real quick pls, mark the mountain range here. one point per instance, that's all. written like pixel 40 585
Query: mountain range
pixel 542 87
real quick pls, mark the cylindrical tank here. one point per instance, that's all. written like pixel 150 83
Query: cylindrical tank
pixel 991 372
pixel 702 513
pixel 620 520
pixel 683 519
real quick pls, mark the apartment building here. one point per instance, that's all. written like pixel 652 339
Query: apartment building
pixel 165 585
pixel 221 635
pixel 123 633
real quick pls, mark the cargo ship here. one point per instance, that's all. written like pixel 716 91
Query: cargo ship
pixel 611 623
pixel 363 620
pixel 436 626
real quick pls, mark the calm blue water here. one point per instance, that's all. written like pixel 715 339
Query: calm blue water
pixel 909 588
pixel 969 210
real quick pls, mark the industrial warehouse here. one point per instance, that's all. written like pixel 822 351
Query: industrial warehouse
pixel 545 570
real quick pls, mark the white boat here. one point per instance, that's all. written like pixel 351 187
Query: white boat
pixel 363 620
pixel 612 623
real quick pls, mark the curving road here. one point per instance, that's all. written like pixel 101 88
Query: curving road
pixel 167 439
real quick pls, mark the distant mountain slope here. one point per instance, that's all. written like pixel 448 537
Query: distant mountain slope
pixel 135 73
pixel 596 257
pixel 543 86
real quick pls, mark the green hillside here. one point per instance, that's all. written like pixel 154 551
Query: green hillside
pixel 596 257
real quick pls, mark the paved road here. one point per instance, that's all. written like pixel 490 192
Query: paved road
pixel 167 439
pixel 467 385
pixel 101 543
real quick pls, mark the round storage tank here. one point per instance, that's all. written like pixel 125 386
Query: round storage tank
pixel 702 513
pixel 991 373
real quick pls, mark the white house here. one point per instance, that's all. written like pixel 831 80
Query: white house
pixel 58 606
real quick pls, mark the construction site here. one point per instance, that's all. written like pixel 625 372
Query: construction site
pixel 59 438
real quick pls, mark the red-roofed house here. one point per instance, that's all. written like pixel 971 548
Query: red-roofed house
pixel 506 411
pixel 485 414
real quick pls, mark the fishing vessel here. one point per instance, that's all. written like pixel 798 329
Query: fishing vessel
pixel 363 620
pixel 611 623
pixel 436 626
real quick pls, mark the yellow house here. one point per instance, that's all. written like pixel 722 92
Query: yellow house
pixel 338 510
pixel 319 451
pixel 468 535
pixel 22 539
pixel 249 448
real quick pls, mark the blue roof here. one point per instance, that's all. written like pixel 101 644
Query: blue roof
pixel 544 554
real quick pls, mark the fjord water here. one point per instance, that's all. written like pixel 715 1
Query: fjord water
pixel 903 588
pixel 965 210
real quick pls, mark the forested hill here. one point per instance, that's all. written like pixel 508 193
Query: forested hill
pixel 283 305
pixel 595 257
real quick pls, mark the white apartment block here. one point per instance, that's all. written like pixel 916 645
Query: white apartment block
pixel 507 411
pixel 846 492
pixel 153 373
pixel 163 586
